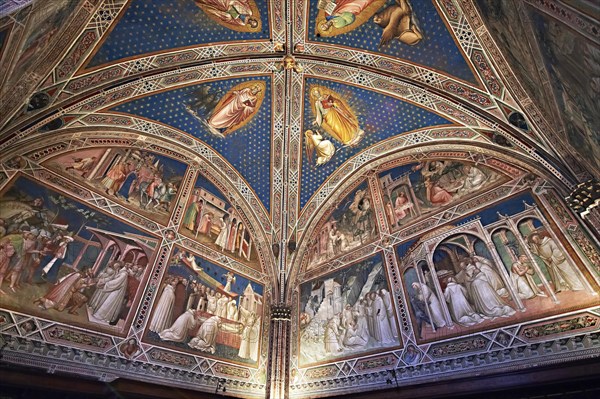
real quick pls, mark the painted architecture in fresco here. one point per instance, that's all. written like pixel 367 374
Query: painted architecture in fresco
pixel 204 308
pixel 349 226
pixel 501 267
pixel 67 262
pixel 210 219
pixel 347 313
pixel 144 181
pixel 167 166
pixel 411 191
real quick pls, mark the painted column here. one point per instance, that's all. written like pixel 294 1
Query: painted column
pixel 505 277
pixel 422 281
pixel 438 288
pixel 515 230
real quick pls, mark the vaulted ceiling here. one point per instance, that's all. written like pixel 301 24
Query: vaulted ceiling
pixel 270 141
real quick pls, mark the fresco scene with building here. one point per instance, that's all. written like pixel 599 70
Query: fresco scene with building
pixel 347 313
pixel 62 260
pixel 206 309
pixel 350 225
pixel 501 266
pixel 210 219
pixel 411 191
pixel 140 180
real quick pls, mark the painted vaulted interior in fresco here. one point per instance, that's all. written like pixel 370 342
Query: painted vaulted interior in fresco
pixel 298 196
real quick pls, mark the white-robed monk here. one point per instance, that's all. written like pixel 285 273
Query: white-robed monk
pixel 178 332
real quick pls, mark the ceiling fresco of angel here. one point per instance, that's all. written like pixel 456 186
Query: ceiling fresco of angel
pixel 232 116
pixel 341 120
pixel 233 111
pixel 190 22
pixel 412 30
pixel 65 261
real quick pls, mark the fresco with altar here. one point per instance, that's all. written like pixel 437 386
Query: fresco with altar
pixel 65 261
pixel 206 309
pixel 501 266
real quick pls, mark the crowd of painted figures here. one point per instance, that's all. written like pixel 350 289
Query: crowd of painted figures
pixel 369 322
pixel 478 292
pixel 140 180
pixel 32 249
pixel 109 295
pixel 223 227
pixel 345 231
pixel 193 313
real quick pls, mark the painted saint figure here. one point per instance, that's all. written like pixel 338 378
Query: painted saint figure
pixel 460 309
pixel 522 277
pixel 344 15
pixel 437 195
pixel 562 273
pixel 401 206
pixel 474 179
pixel 206 338
pixel 398 22
pixel 234 14
pixel 424 294
pixel 334 116
pixel 486 300
pixel 164 310
pixel 236 108
pixel 316 144
pixel 221 240
pixel 115 177
pixel 178 332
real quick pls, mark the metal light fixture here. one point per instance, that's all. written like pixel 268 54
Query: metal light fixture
pixel 221 386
